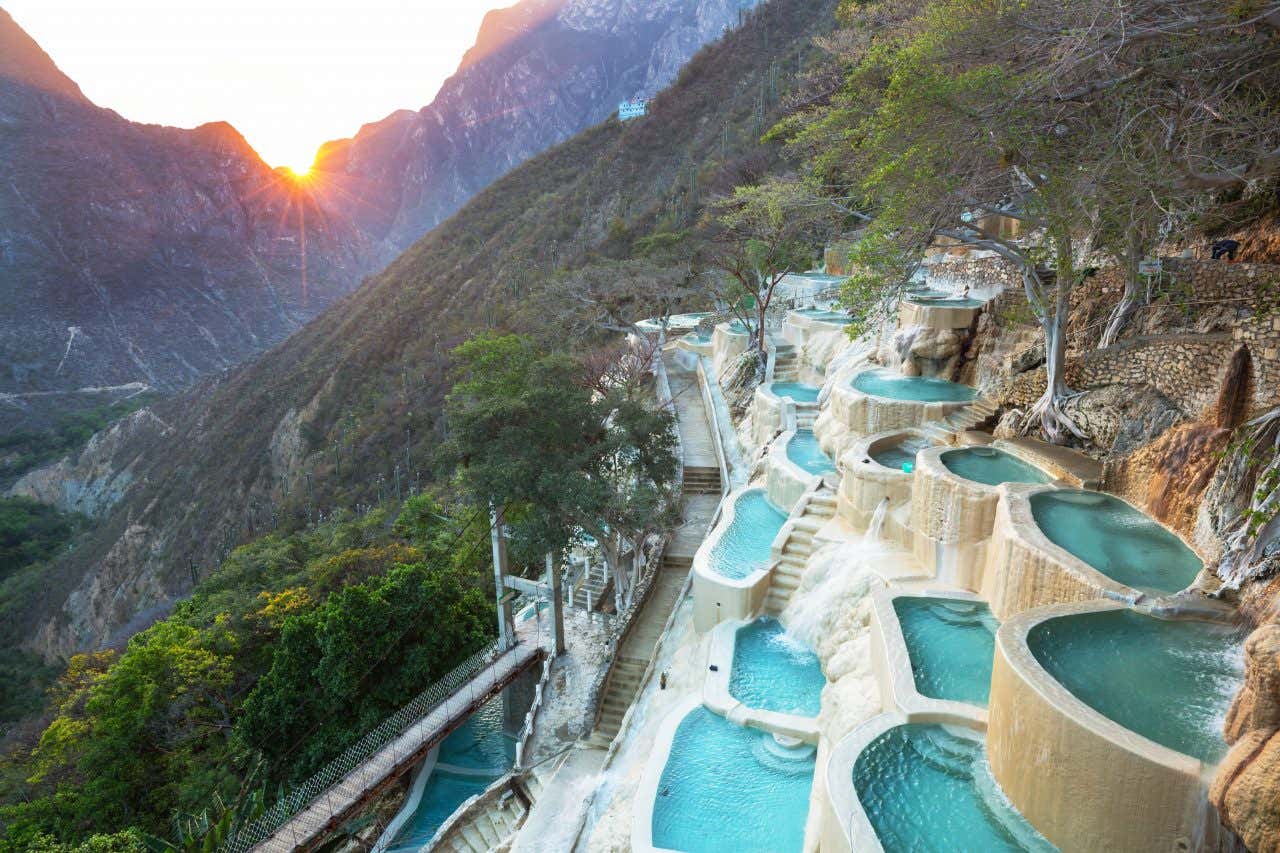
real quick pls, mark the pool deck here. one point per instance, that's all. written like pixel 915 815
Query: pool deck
pixel 1063 462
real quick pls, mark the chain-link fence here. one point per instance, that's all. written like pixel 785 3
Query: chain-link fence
pixel 362 750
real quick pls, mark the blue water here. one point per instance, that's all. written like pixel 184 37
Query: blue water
pixel 745 546
pixel 1116 539
pixel 798 391
pixel 803 450
pixel 772 671
pixel 903 453
pixel 929 788
pixel 470 759
pixel 951 643
pixel 837 317
pixel 991 466
pixel 729 789
pixel 1170 681
pixel 887 383
pixel 939 299
pixel 698 337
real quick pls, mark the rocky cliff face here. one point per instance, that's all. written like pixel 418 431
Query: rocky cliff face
pixel 540 72
pixel 142 254
pixel 346 410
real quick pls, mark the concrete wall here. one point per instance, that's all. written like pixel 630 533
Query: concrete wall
pixel 1087 783
pixel 1024 570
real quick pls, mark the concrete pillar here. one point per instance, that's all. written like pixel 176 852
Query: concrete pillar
pixel 517 699
pixel 557 604
pixel 498 538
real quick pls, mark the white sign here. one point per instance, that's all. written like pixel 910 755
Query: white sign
pixel 1151 266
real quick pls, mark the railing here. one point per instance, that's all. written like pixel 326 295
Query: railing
pixel 526 730
pixel 713 421
pixel 362 750
pixel 622 629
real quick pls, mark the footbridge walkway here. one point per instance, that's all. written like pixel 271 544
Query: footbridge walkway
pixel 302 819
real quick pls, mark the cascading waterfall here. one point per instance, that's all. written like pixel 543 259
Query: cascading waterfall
pixel 876 528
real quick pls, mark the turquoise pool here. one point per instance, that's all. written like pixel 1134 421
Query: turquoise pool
pixel 928 787
pixel 903 453
pixel 773 671
pixel 825 316
pixel 729 789
pixel 469 761
pixel 798 391
pixel 745 546
pixel 991 467
pixel 937 299
pixel 1170 681
pixel 698 337
pixel 1116 539
pixel 887 383
pixel 951 643
pixel 803 450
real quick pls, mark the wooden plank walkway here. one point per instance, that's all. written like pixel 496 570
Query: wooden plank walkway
pixel 309 826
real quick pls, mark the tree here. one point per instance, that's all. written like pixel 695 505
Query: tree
pixel 759 235
pixel 532 436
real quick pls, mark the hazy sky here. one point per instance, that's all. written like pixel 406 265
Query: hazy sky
pixel 289 74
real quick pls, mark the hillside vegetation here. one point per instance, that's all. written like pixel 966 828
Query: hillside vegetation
pixel 348 411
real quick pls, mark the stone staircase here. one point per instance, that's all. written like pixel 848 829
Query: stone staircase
pixel 806 414
pixel 624 682
pixel 490 826
pixel 976 414
pixel 701 480
pixel 787 572
pixel 588 595
pixel 786 363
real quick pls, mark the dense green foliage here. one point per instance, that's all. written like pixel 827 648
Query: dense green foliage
pixel 294 648
pixel 30 535
pixel 563 451
pixel 31 532
pixel 22 451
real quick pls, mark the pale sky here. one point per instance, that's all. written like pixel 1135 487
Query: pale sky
pixel 289 74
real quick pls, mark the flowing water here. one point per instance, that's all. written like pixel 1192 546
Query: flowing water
pixel 991 467
pixel 886 383
pixel 928 787
pixel 745 546
pixel 1168 680
pixel 1116 539
pixel 773 671
pixel 951 643
pixel 803 450
pixel 875 529
pixel 729 789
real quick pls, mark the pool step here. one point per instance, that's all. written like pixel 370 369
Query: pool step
pixel 491 824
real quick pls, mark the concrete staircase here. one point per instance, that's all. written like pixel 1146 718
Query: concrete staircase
pixel 786 363
pixel 488 827
pixel 588 595
pixel 787 572
pixel 624 683
pixel 806 414
pixel 976 414
pixel 701 480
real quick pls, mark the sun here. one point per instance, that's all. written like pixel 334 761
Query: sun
pixel 300 172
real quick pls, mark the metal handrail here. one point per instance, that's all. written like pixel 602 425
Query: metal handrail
pixel 393 727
